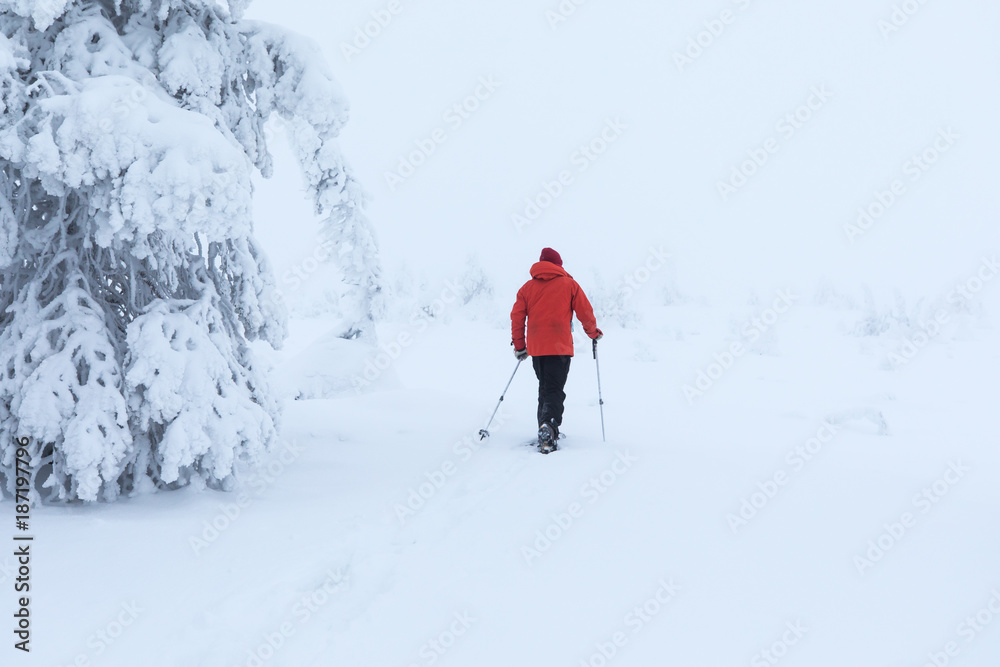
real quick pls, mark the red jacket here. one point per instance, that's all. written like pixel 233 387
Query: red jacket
pixel 548 301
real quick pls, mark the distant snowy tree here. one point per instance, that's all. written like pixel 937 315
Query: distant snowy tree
pixel 475 284
pixel 613 304
pixel 878 320
pixel 131 285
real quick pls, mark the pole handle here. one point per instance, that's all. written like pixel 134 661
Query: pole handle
pixel 595 348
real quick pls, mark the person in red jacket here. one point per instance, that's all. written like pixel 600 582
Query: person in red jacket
pixel 548 302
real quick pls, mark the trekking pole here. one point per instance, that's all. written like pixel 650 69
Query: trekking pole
pixel 484 433
pixel 599 397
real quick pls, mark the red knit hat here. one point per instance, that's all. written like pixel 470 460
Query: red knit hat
pixel 550 255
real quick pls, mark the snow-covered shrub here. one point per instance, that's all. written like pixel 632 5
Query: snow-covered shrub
pixel 749 330
pixel 877 320
pixel 829 296
pixel 131 285
pixel 670 295
pixel 612 304
pixel 475 284
pixel 477 297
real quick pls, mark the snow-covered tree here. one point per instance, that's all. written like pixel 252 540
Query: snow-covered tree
pixel 131 287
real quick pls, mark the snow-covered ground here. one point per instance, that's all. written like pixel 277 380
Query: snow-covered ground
pixel 387 534
pixel 825 491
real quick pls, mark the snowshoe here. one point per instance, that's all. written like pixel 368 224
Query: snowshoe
pixel 547 439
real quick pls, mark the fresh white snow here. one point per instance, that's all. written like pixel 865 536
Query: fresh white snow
pixel 801 455
pixel 650 506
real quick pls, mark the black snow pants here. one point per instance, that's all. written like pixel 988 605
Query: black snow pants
pixel 551 371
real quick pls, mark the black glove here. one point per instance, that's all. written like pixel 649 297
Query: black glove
pixel 521 354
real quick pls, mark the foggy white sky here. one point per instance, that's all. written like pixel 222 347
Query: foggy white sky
pixel 686 131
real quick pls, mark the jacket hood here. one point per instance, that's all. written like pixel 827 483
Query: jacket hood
pixel 548 271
